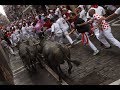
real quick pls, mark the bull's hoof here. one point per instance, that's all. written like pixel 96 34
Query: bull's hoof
pixel 59 82
pixel 41 66
pixel 28 68
pixel 34 69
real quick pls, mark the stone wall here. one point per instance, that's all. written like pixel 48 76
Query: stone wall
pixel 6 75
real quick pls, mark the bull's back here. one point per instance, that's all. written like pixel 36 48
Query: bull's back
pixel 53 52
pixel 22 50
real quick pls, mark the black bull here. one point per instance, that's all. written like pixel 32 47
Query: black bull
pixel 56 54
pixel 29 53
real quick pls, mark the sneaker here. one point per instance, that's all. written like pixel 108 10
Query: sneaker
pixel 96 52
pixel 108 47
pixel 72 44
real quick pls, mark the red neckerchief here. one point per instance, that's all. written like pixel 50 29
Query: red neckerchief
pixel 67 14
pixel 47 24
pixel 94 6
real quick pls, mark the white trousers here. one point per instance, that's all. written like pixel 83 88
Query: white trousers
pixel 92 46
pixel 97 33
pixel 108 34
pixel 68 37
pixel 59 38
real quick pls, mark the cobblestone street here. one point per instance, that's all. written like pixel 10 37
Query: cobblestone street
pixel 94 70
pixel 26 34
pixel 97 70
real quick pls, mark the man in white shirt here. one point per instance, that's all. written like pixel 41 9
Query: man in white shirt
pixel 14 39
pixel 82 13
pixel 17 33
pixel 64 27
pixel 81 6
pixel 58 12
pixel 66 13
pixel 116 13
pixel 51 14
pixel 24 31
pixel 56 31
pixel 30 29
pixel 100 11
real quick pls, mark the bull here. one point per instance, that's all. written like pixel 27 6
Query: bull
pixel 23 53
pixel 28 51
pixel 56 54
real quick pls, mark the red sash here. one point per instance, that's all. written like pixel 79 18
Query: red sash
pixel 84 39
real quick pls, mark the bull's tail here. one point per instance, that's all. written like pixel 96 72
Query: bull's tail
pixel 77 63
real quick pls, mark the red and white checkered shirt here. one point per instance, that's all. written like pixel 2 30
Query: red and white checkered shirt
pixel 105 25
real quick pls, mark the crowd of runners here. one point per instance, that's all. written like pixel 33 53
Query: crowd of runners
pixel 60 23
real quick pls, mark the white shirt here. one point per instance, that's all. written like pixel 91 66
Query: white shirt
pixel 30 28
pixel 50 16
pixel 58 12
pixel 24 30
pixel 13 37
pixel 56 28
pixel 83 15
pixel 110 7
pixel 104 24
pixel 69 11
pixel 81 6
pixel 8 28
pixel 37 17
pixel 63 24
pixel 100 10
pixel 117 11
pixel 16 31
